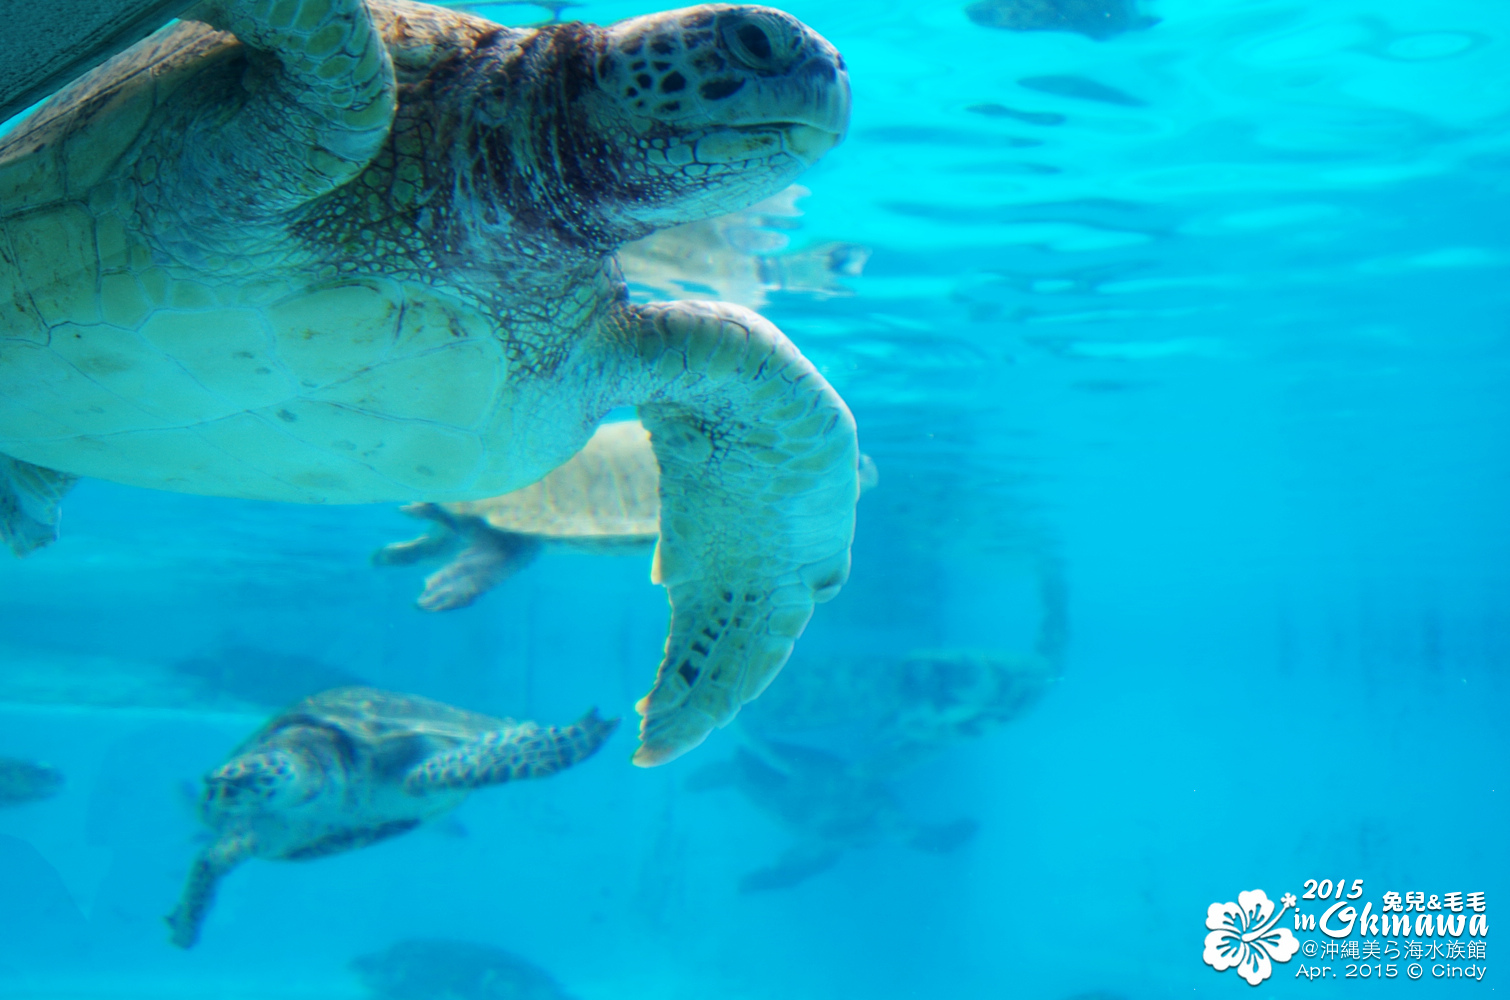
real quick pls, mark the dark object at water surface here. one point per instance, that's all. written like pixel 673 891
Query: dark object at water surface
pixel 422 969
pixel 993 110
pixel 1097 19
pixel 21 781
pixel 1080 88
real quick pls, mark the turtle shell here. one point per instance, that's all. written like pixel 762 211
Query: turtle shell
pixel 609 490
pixel 373 717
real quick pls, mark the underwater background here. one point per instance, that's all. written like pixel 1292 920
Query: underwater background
pixel 1181 343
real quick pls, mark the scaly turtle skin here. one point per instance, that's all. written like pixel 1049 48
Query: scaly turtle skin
pixel 22 781
pixel 353 766
pixel 423 969
pixel 830 805
pixel 605 500
pixel 336 251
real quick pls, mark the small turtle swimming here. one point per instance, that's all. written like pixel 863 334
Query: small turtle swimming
pixel 350 767
pixel 357 251
pixel 830 804
pixel 605 501
pixel 23 781
pixel 424 969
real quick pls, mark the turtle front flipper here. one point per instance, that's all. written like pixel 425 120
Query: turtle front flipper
pixel 319 101
pixel 430 545
pixel 759 478
pixel 491 558
pixel 518 752
pixel 29 496
pixel 199 892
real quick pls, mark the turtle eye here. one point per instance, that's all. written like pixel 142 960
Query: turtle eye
pixel 758 40
pixel 754 42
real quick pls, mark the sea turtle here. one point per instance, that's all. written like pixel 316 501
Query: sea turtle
pixel 829 803
pixel 22 781
pixel 424 969
pixel 350 767
pixel 739 258
pixel 903 710
pixel 354 251
pixel 604 501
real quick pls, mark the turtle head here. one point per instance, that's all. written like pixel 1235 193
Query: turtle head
pixel 257 783
pixel 693 113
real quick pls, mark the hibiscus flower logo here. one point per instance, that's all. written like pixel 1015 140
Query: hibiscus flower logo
pixel 1243 936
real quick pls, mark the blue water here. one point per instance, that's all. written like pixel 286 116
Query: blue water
pixel 1222 346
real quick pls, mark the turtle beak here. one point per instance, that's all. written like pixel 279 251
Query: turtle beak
pixel 808 144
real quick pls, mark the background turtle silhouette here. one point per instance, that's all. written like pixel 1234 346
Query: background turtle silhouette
pixel 348 251
pixel 23 781
pixel 350 767
pixel 430 969
pixel 897 711
pixel 829 804
pixel 241 672
pixel 901 711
